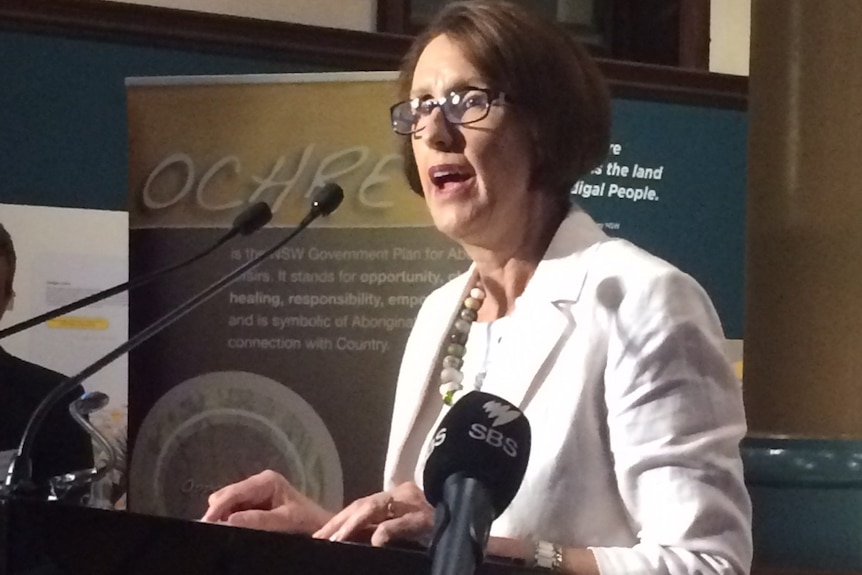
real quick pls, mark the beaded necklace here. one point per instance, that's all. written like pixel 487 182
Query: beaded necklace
pixel 451 376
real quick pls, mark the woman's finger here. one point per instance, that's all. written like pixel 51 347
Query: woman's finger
pixel 359 516
pixel 255 492
pixel 224 501
pixel 335 523
pixel 260 519
pixel 362 520
pixel 415 526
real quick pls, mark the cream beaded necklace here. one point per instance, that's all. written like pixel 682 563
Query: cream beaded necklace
pixel 451 376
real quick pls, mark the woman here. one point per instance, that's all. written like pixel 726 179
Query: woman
pixel 614 356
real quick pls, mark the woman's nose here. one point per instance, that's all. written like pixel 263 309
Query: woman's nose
pixel 439 133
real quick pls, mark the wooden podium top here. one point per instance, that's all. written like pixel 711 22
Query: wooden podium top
pixel 53 538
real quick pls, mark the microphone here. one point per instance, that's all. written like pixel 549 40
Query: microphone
pixel 247 222
pixel 19 479
pixel 478 460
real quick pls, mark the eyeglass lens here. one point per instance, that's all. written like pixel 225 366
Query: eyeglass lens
pixel 461 107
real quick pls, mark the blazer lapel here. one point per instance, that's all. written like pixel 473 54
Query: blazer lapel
pixel 543 321
pixel 413 401
pixel 535 338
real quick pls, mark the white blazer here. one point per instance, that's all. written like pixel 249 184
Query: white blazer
pixel 616 358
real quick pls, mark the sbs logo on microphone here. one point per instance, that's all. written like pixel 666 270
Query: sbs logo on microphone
pixel 498 414
pixel 501 414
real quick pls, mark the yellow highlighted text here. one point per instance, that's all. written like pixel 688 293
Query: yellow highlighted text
pixel 75 322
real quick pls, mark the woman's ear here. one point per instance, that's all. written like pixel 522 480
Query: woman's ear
pixel 538 157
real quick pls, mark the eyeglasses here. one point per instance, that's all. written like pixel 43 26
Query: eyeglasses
pixel 459 107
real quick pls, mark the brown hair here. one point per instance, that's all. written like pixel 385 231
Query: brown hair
pixel 7 252
pixel 546 74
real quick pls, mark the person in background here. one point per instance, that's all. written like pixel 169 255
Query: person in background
pixel 615 356
pixel 62 445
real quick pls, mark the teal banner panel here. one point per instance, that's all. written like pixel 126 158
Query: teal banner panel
pixel 674 183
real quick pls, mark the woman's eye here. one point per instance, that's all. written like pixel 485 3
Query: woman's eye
pixel 473 99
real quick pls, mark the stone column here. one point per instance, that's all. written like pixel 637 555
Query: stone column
pixel 803 324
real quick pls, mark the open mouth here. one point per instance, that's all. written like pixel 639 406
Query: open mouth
pixel 446 178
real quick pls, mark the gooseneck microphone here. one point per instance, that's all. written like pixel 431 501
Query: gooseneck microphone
pixel 19 479
pixel 478 460
pixel 247 222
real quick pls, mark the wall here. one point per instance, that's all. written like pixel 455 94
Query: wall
pixel 352 15
pixel 730 34
pixel 729 28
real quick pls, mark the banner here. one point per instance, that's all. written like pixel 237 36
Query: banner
pixel 674 184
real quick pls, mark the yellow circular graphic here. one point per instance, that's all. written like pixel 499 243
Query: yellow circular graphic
pixel 220 427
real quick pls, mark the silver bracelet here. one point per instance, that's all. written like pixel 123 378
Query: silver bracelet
pixel 548 556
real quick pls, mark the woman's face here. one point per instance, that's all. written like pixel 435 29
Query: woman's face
pixel 475 177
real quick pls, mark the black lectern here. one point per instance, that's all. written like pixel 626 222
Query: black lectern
pixel 57 539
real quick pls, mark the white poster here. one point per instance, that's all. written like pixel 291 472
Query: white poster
pixel 65 254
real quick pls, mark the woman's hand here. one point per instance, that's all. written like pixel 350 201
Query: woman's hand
pixel 265 501
pixel 402 514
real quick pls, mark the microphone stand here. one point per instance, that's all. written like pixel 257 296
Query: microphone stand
pixel 462 526
pixel 61 485
pixel 19 478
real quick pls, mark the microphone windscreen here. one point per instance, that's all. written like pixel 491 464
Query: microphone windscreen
pixel 252 218
pixel 327 199
pixel 90 402
pixel 483 437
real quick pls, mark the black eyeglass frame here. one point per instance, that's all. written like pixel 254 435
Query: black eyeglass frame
pixel 415 104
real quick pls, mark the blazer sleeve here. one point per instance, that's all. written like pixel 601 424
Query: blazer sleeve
pixel 675 420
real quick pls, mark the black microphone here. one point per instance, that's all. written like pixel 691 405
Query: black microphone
pixel 247 222
pixel 478 459
pixel 19 479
